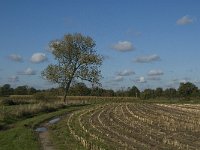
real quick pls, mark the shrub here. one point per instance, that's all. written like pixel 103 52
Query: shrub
pixel 7 102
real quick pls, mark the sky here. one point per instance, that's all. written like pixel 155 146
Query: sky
pixel 145 43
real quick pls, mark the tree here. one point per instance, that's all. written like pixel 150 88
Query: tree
pixel 170 93
pixel 6 90
pixel 134 92
pixel 96 91
pixel 158 92
pixel 21 90
pixel 79 89
pixel 187 90
pixel 148 93
pixel 76 59
pixel 31 91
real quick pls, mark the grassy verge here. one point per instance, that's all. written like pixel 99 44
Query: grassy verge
pixel 22 136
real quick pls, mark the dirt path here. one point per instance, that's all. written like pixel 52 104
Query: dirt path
pixel 45 140
pixel 44 136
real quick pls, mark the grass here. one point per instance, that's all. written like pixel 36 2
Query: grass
pixel 62 138
pixel 22 136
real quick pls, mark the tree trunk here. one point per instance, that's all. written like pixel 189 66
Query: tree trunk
pixel 65 97
pixel 66 91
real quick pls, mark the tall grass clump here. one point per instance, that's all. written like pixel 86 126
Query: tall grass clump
pixel 25 111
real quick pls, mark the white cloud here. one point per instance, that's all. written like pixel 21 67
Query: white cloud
pixel 141 80
pixel 38 57
pixel 185 20
pixel 13 79
pixel 126 73
pixel 155 73
pixel 123 46
pixel 147 59
pixel 118 78
pixel 28 71
pixel 15 57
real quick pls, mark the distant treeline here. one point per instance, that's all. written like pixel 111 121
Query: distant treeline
pixel 185 91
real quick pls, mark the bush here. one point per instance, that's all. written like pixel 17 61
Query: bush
pixel 7 102
pixel 11 101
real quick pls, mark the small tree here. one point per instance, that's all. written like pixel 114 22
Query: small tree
pixel 134 92
pixel 6 90
pixel 21 90
pixel 76 59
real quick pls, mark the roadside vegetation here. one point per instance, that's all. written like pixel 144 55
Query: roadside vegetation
pixel 19 132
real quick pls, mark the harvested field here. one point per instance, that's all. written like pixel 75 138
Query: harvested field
pixel 134 126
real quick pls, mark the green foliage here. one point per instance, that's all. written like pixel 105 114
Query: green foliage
pixel 12 101
pixel 7 102
pixel 159 92
pixel 147 94
pixel 21 90
pixel 187 90
pixel 102 92
pixel 79 89
pixel 170 93
pixel 76 59
pixel 22 137
pixel 134 92
pixel 6 90
pixel 24 90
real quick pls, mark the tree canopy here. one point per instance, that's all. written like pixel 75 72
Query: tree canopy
pixel 76 59
pixel 187 89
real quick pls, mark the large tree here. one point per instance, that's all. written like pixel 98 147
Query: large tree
pixel 76 59
pixel 187 90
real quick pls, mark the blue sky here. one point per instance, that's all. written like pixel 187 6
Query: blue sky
pixel 145 43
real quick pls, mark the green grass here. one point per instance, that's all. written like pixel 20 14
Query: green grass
pixel 62 137
pixel 22 136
